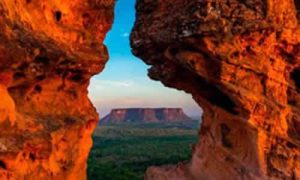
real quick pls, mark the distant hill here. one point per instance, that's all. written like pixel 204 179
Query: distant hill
pixel 145 115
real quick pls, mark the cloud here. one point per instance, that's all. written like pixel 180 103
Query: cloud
pixel 102 83
pixel 125 34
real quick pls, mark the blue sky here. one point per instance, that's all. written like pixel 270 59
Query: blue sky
pixel 124 81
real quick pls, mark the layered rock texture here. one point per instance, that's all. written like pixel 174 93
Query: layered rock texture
pixel 49 49
pixel 145 115
pixel 241 62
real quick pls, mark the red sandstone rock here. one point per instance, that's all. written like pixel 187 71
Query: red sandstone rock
pixel 49 49
pixel 144 115
pixel 241 62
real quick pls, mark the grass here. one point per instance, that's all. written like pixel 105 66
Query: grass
pixel 122 152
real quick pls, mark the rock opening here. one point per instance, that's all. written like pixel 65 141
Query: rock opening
pixel 2 165
pixel 57 15
pixel 295 75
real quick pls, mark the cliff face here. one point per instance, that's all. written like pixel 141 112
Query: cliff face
pixel 145 115
pixel 49 50
pixel 241 62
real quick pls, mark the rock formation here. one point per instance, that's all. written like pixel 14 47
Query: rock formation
pixel 144 115
pixel 49 49
pixel 241 62
pixel 239 59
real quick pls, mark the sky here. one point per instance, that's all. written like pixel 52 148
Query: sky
pixel 124 82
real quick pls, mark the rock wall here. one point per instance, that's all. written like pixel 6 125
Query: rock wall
pixel 241 62
pixel 49 49
pixel 145 115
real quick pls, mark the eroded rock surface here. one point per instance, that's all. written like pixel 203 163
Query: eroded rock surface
pixel 145 115
pixel 49 49
pixel 241 62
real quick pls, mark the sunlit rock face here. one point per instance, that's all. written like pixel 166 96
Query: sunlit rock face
pixel 49 49
pixel 241 62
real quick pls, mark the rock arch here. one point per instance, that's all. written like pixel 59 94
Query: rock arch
pixel 238 59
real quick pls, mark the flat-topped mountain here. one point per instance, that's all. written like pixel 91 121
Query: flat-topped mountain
pixel 145 115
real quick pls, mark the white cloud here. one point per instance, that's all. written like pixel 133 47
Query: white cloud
pixel 125 34
pixel 115 83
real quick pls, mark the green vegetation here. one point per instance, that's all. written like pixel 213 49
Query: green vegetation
pixel 123 152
